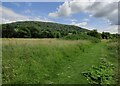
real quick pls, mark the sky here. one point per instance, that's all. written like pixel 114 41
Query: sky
pixel 102 16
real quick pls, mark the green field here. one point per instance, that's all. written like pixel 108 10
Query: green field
pixel 52 61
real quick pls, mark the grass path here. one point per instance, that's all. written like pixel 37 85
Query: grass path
pixel 71 73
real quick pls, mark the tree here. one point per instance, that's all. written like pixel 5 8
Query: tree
pixel 23 33
pixel 34 29
pixel 94 33
pixel 7 31
pixel 105 35
pixel 34 32
pixel 58 35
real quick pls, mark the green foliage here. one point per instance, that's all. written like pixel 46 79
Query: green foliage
pixel 101 74
pixel 82 37
pixel 34 29
pixel 115 36
pixel 105 35
pixel 94 33
pixel 8 33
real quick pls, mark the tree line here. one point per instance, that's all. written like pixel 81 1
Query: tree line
pixel 103 35
pixel 34 29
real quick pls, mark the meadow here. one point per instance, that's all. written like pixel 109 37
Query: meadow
pixel 52 61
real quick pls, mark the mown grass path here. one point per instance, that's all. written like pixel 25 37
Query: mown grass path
pixel 71 72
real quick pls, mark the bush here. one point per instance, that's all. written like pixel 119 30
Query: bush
pixel 102 74
pixel 94 33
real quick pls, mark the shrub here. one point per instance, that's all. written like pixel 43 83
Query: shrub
pixel 101 74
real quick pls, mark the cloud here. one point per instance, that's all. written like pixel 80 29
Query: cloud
pixel 105 10
pixel 112 29
pixel 81 24
pixel 39 18
pixel 73 20
pixel 63 10
pixel 86 19
pixel 68 8
pixel 8 16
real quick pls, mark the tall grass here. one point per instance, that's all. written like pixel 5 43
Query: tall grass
pixel 81 37
pixel 113 55
pixel 48 61
pixel 36 61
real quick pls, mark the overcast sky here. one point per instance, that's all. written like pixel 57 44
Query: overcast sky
pixel 102 16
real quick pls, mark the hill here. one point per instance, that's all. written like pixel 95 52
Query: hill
pixel 35 29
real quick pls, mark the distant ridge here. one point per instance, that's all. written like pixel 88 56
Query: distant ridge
pixel 36 29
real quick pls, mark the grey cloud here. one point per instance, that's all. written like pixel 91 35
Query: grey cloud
pixel 105 10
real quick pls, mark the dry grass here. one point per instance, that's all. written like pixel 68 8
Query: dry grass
pixel 51 42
